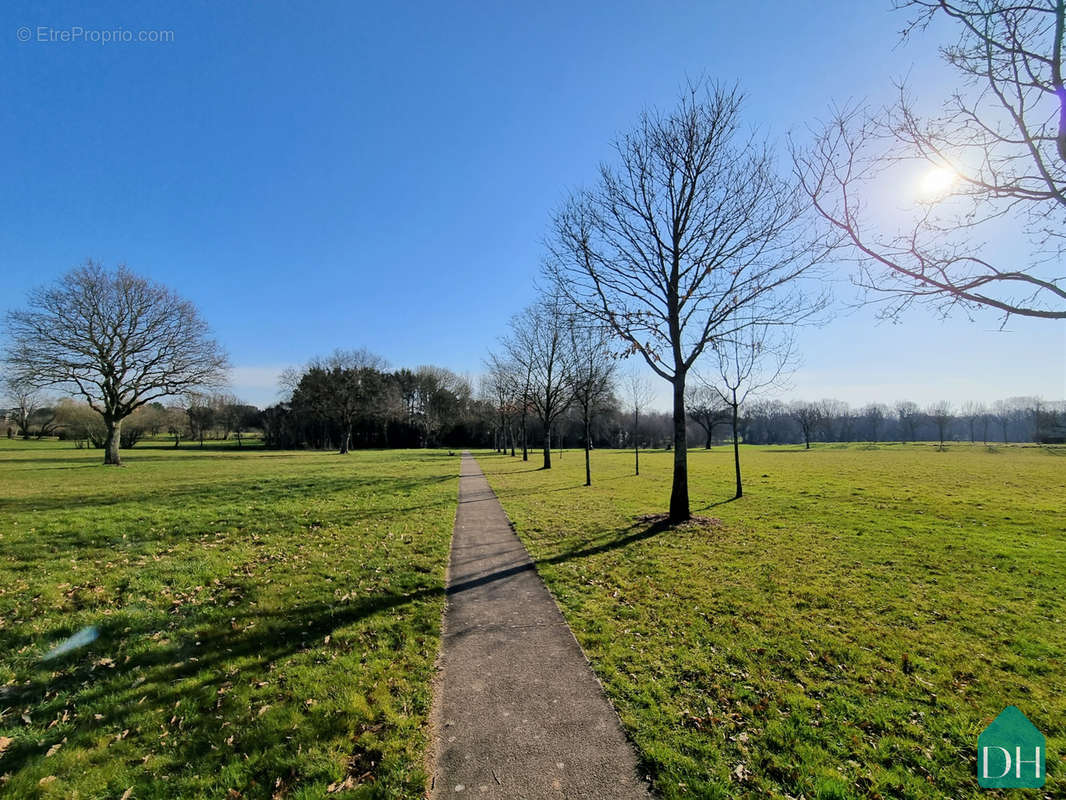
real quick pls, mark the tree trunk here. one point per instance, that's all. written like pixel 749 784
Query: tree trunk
pixel 510 431
pixel 710 433
pixel 547 447
pixel 588 447
pixel 346 443
pixel 525 448
pixel 736 448
pixel 111 454
pixel 636 440
pixel 679 511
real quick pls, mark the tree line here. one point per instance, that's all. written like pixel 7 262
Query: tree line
pixel 1016 419
pixel 351 400
pixel 197 417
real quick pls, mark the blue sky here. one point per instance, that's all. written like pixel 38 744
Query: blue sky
pixel 342 174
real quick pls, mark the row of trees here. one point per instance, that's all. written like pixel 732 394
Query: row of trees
pixel 552 361
pixel 1019 419
pixel 693 246
pixel 696 253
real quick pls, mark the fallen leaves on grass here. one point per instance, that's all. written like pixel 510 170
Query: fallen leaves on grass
pixel 360 770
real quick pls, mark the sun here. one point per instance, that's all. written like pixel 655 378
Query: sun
pixel 936 182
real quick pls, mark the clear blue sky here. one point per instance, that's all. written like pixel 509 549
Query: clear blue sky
pixel 341 174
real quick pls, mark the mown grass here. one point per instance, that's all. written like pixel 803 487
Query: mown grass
pixel 845 630
pixel 267 621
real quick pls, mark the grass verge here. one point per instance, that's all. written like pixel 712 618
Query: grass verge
pixel 845 630
pixel 266 622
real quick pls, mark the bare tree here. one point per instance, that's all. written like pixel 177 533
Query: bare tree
pixel 834 414
pixel 693 230
pixel 972 413
pixel 201 415
pixel 809 416
pixel 540 344
pixel 592 378
pixel 177 423
pixel 986 421
pixel 500 387
pixel 874 417
pixel 942 416
pixel 907 414
pixel 753 358
pixel 118 339
pixel 704 407
pixel 638 397
pixel 520 352
pixel 26 401
pixel 996 150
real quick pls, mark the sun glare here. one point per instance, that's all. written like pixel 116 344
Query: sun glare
pixel 936 182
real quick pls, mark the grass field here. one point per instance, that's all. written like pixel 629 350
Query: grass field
pixel 267 622
pixel 845 630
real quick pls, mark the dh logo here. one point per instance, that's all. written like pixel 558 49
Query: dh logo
pixel 1011 753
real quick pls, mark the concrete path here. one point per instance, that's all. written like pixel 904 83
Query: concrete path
pixel 518 711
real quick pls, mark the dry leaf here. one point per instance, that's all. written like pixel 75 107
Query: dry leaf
pixel 5 742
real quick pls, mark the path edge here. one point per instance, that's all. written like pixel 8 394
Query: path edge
pixel 433 720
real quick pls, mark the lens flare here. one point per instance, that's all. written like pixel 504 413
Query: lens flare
pixel 936 182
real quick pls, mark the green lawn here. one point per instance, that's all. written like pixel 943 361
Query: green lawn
pixel 267 621
pixel 844 630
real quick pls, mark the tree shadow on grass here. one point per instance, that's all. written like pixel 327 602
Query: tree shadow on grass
pixel 719 503
pixel 191 656
pixel 257 488
pixel 637 532
pixel 198 656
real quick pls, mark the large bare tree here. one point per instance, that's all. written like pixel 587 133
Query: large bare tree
pixel 995 156
pixel 691 230
pixel 115 338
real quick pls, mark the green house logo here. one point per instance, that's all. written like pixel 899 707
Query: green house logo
pixel 1011 753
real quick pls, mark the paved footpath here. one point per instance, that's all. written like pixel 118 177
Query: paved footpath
pixel 519 713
